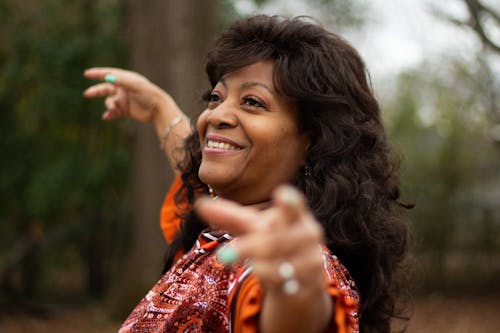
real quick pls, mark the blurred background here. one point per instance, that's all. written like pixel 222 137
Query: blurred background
pixel 80 242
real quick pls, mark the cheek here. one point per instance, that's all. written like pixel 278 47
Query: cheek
pixel 293 145
pixel 285 145
pixel 282 139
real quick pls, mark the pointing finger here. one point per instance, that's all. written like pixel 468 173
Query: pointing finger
pixel 119 76
pixel 226 215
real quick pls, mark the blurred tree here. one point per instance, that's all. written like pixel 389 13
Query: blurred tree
pixel 484 20
pixel 63 202
pixel 438 120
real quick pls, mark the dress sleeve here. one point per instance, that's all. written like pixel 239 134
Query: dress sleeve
pixel 169 216
pixel 246 306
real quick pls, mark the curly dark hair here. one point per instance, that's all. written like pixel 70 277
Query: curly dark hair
pixel 354 188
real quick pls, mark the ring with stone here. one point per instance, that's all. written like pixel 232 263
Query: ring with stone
pixel 290 285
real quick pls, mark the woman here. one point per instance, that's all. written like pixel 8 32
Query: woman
pixel 289 104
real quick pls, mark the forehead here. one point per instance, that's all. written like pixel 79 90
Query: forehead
pixel 261 71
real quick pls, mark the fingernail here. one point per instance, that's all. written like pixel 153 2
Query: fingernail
pixel 110 78
pixel 227 255
pixel 290 196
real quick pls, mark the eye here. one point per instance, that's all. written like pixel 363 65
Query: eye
pixel 213 99
pixel 254 102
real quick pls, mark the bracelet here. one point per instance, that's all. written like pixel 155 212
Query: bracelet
pixel 170 126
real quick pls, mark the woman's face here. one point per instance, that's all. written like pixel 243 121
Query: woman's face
pixel 249 136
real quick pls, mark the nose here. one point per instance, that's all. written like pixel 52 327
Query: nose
pixel 223 116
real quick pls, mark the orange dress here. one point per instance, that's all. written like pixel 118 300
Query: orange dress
pixel 199 294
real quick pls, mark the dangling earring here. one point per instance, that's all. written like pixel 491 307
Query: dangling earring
pixel 307 170
pixel 212 193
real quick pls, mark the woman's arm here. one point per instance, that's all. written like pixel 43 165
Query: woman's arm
pixel 129 94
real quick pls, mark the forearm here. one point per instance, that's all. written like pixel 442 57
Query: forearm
pixel 308 311
pixel 170 130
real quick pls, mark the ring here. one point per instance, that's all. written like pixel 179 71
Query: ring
pixel 290 285
pixel 286 270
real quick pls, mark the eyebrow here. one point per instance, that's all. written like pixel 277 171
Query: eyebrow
pixel 250 84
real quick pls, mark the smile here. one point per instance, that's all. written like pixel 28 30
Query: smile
pixel 221 145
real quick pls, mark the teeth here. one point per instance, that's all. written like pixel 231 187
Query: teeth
pixel 221 145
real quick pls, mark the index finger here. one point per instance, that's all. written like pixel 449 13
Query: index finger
pixel 123 77
pixel 226 215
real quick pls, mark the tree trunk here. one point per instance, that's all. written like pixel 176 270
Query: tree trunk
pixel 168 41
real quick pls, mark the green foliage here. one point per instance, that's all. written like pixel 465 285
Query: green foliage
pixel 64 174
pixel 438 121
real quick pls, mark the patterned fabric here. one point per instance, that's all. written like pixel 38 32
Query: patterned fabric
pixel 198 294
pixel 344 294
pixel 191 297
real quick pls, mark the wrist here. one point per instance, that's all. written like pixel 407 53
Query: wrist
pixel 309 310
pixel 304 291
pixel 170 127
pixel 165 112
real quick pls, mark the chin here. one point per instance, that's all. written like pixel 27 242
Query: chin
pixel 215 179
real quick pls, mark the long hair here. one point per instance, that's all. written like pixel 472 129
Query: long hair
pixel 353 189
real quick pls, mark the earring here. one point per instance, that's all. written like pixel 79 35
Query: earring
pixel 307 170
pixel 211 192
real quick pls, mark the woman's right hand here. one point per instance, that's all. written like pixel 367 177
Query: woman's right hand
pixel 131 95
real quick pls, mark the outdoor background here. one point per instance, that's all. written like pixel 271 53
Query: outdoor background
pixel 80 242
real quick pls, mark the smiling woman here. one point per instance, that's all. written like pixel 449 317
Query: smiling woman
pixel 305 234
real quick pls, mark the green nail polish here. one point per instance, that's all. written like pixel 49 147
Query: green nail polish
pixel 110 78
pixel 227 255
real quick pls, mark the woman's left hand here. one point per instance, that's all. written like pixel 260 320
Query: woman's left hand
pixel 282 244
